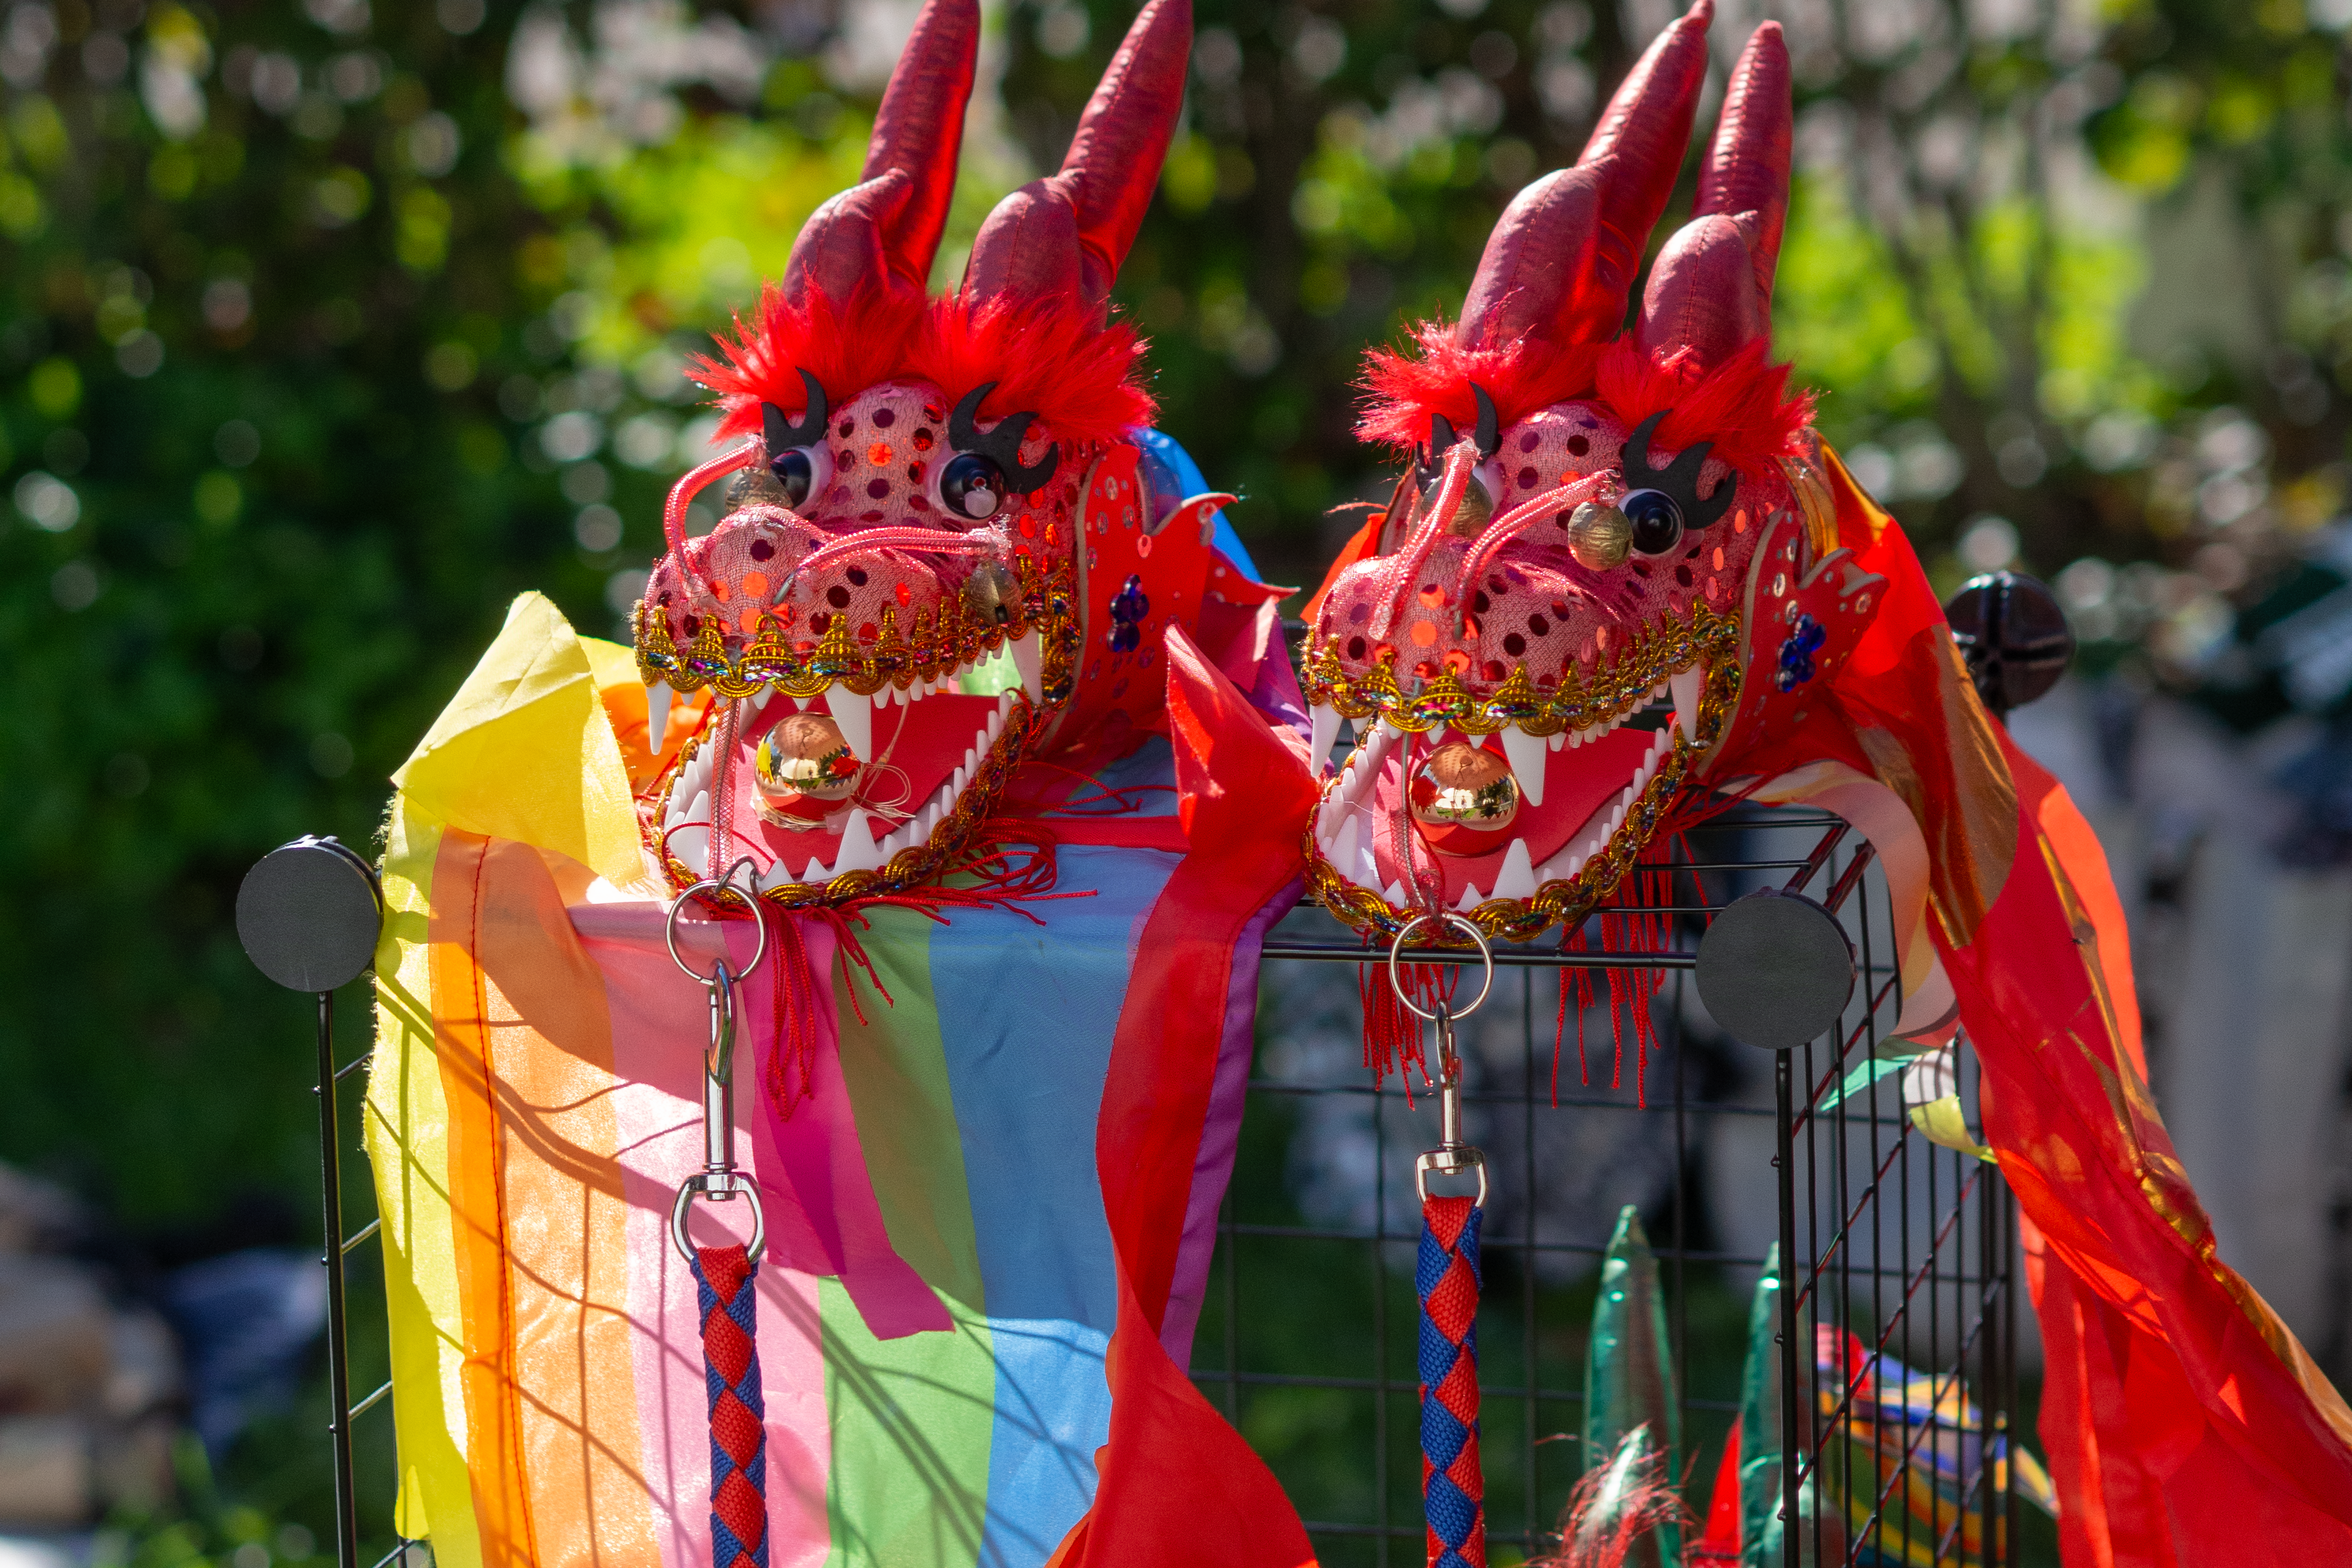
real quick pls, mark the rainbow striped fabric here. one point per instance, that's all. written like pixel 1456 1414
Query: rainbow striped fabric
pixel 988 1232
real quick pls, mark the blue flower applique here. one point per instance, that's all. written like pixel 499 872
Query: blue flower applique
pixel 1804 640
pixel 1127 610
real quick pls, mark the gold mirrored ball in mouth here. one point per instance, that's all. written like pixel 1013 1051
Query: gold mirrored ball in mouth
pixel 803 769
pixel 1462 788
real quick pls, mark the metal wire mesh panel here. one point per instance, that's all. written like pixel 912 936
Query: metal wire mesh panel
pixel 1902 1248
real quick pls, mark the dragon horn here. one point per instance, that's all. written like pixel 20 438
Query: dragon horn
pixel 1067 234
pixel 1710 292
pixel 1560 263
pixel 890 223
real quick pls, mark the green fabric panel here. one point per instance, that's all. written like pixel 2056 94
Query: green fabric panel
pixel 912 1420
pixel 1629 1382
pixel 896 1068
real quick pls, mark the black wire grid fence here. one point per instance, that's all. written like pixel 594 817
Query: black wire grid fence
pixel 1306 1340
pixel 1307 1337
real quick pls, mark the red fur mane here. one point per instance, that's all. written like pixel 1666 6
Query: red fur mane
pixel 1056 359
pixel 1742 406
pixel 1406 388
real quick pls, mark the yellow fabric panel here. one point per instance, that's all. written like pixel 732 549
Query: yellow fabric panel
pixel 524 751
pixel 406 1128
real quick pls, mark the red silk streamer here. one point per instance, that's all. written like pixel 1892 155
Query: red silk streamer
pixel 1446 1277
pixel 738 1437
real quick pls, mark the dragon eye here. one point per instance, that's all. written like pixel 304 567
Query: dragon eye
pixel 801 472
pixel 1657 519
pixel 971 487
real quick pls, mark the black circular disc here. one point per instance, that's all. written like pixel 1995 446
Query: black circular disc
pixel 309 913
pixel 2013 635
pixel 1775 969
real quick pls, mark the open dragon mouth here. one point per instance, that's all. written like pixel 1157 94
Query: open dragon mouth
pixel 1524 808
pixel 873 764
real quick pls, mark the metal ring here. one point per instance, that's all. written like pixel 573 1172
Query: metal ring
pixel 719 1186
pixel 1464 1156
pixel 1485 954
pixel 715 885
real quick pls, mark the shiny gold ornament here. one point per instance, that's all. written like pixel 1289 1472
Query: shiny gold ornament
pixel 803 769
pixel 1599 536
pixel 1462 785
pixel 992 593
pixel 1470 517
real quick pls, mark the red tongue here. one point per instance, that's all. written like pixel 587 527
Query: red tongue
pixel 1578 782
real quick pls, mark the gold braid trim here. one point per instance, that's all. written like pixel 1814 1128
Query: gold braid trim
pixel 957 635
pixel 1558 902
pixel 1619 686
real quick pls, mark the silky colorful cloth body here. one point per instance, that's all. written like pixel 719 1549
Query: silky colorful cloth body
pixel 988 1226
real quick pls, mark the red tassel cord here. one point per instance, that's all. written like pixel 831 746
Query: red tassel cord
pixel 1446 1277
pixel 739 1436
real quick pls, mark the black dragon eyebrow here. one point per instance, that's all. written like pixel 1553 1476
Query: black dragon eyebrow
pixel 1001 445
pixel 781 434
pixel 1488 432
pixel 1678 479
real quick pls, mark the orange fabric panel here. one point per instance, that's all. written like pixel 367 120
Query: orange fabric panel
pixel 573 1356
pixel 461 1015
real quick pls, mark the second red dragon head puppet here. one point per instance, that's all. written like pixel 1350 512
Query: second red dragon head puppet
pixel 947 544
pixel 1612 558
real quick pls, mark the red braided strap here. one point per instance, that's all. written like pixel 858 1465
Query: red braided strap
pixel 1452 1485
pixel 739 1436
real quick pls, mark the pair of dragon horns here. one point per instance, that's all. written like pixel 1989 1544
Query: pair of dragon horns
pixel 1559 265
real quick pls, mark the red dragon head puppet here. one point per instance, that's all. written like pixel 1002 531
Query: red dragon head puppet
pixel 1612 562
pixel 948 542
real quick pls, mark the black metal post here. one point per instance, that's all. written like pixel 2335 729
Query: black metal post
pixel 1790 1448
pixel 338 1372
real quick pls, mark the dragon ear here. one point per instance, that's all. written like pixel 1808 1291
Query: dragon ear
pixel 1560 263
pixel 1067 234
pixel 1710 290
pixel 888 224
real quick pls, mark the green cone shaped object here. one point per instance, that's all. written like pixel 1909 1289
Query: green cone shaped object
pixel 1629 1377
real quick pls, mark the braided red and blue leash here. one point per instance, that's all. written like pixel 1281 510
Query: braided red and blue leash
pixel 739 1438
pixel 1453 1483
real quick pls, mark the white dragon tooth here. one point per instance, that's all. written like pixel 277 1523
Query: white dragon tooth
pixel 858 850
pixel 1686 688
pixel 971 762
pixel 882 695
pixel 1526 753
pixel 1029 659
pixel 1436 736
pixel 1471 898
pixel 657 702
pixel 818 871
pixel 855 716
pixel 692 846
pixel 1394 892
pixel 760 698
pixel 1343 851
pixel 958 780
pixel 1558 740
pixel 1326 729
pixel 995 724
pixel 1366 871
pixel 900 837
pixel 1517 879
pixel 699 808
pixel 1388 730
